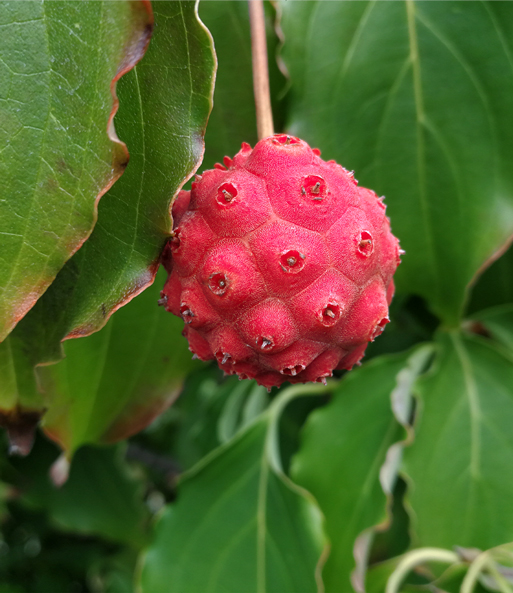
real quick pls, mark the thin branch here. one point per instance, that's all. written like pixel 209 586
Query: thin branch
pixel 264 114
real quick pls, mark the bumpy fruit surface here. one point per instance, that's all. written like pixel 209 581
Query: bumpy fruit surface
pixel 280 265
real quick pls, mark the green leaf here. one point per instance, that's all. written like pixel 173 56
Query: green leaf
pixel 344 447
pixel 415 97
pixel 233 118
pixel 459 467
pixel 58 68
pixel 164 106
pixel 101 496
pixel 239 523
pixel 377 575
pixel 115 382
pixel 162 116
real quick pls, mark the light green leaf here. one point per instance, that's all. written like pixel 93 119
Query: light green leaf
pixel 239 523
pixel 59 154
pixel 344 447
pixel 416 98
pixel 459 466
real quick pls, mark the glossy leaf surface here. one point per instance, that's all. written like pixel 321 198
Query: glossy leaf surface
pixel 59 152
pixel 459 466
pixel 343 450
pixel 239 524
pixel 415 97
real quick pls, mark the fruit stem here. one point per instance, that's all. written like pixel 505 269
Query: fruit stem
pixel 264 114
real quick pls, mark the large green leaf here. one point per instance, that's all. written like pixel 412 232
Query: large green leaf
pixel 59 62
pixel 239 523
pixel 164 106
pixel 459 466
pixel 233 118
pixel 113 383
pixel 344 447
pixel 416 97
pixel 101 496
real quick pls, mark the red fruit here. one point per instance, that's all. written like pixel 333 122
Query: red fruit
pixel 281 266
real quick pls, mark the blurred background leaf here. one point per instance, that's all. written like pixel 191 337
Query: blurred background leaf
pixel 496 322
pixel 82 537
pixel 495 286
pixel 101 497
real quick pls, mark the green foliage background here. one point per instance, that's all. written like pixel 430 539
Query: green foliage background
pixel 231 489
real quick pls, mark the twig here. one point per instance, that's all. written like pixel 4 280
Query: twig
pixel 264 114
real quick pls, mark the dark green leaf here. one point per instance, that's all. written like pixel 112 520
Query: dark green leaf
pixel 59 63
pixel 416 97
pixel 344 448
pixel 459 466
pixel 239 523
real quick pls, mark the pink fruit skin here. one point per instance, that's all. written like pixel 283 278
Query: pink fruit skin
pixel 280 266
